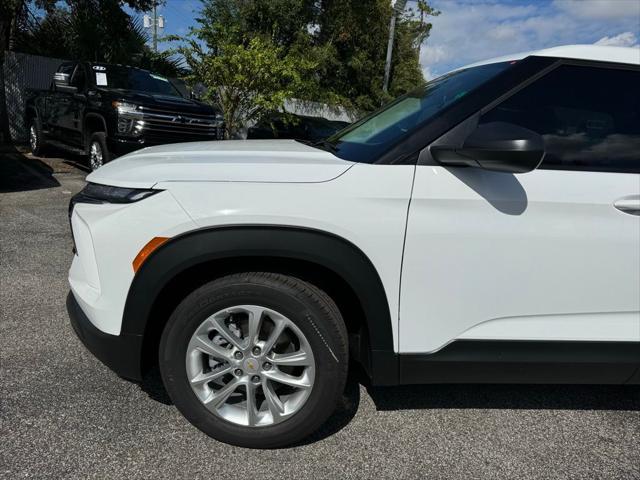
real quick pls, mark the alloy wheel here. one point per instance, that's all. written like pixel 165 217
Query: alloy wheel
pixel 250 365
pixel 95 155
pixel 33 138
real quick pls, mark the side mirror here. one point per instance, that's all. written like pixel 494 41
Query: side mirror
pixel 495 146
pixel 61 82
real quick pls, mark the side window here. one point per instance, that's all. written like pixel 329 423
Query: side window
pixel 589 118
pixel 66 68
pixel 78 79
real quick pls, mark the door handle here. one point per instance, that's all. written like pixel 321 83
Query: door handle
pixel 630 204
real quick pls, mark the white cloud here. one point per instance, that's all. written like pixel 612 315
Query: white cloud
pixel 433 54
pixel 428 74
pixel 625 39
pixel 600 9
pixel 471 30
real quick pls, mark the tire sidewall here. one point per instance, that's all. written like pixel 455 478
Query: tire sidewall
pixel 100 139
pixel 330 362
pixel 35 124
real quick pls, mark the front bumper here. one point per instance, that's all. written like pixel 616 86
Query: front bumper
pixel 121 146
pixel 121 353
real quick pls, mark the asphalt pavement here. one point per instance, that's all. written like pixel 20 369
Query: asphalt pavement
pixel 65 415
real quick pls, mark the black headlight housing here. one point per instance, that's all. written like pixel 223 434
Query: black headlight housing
pixel 96 193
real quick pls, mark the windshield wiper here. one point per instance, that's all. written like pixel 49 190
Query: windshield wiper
pixel 325 145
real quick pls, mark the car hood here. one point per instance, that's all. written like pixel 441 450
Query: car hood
pixel 222 161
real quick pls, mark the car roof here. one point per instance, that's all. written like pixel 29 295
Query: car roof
pixel 597 53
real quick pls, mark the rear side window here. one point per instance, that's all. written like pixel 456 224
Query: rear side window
pixel 589 118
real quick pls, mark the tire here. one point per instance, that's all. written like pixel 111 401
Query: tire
pixel 36 138
pixel 313 320
pixel 98 151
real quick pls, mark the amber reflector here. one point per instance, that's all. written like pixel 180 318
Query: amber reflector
pixel 147 250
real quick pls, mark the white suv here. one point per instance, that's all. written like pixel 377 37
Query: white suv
pixel 483 228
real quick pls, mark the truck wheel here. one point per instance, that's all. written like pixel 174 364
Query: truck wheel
pixel 255 359
pixel 36 138
pixel 98 152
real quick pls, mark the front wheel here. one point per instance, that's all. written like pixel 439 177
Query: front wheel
pixel 255 359
pixel 98 152
pixel 36 138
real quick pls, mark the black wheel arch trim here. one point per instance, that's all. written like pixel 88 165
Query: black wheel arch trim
pixel 276 241
pixel 99 118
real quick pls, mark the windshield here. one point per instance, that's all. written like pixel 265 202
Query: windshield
pixel 127 78
pixel 368 138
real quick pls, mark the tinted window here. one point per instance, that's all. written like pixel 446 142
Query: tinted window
pixel 128 78
pixel 365 140
pixel 66 68
pixel 589 118
pixel 78 79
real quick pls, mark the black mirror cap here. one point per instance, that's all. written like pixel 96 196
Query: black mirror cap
pixel 505 147
pixel 495 146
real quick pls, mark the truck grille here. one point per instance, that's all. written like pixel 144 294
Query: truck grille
pixel 166 125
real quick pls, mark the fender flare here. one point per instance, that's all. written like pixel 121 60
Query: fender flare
pixel 92 115
pixel 325 249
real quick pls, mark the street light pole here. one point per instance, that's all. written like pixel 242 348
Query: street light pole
pixel 398 7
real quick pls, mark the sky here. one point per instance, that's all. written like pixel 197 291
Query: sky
pixel 468 31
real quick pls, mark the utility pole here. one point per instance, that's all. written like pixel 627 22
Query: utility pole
pixel 398 8
pixel 155 27
pixel 154 24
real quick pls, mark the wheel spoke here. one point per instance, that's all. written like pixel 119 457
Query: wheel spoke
pixel 274 335
pixel 234 370
pixel 255 322
pixel 211 349
pixel 286 379
pixel 274 404
pixel 229 336
pixel 216 400
pixel 293 359
pixel 252 410
pixel 210 376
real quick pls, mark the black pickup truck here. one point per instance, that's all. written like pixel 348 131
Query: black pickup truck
pixel 103 111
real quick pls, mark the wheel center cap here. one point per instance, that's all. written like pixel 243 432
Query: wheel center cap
pixel 251 365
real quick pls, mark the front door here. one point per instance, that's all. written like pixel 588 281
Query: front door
pixel 551 255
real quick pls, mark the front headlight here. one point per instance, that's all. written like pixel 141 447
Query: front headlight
pixel 96 193
pixel 125 107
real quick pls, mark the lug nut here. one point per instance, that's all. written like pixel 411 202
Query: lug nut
pixel 266 366
pixel 256 350
pixel 238 355
pixel 238 372
pixel 255 379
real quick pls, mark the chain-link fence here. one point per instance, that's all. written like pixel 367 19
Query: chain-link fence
pixel 24 75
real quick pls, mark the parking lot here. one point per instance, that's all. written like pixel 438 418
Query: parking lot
pixel 65 415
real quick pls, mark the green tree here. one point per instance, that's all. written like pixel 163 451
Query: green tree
pixel 247 80
pixel 332 51
pixel 79 36
pixel 356 32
